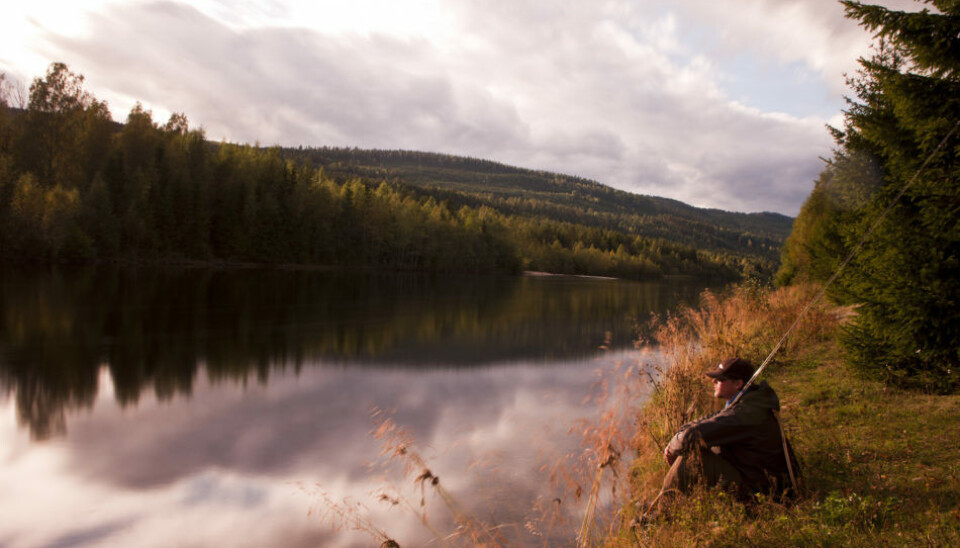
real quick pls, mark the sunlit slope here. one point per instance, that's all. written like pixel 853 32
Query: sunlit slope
pixel 516 191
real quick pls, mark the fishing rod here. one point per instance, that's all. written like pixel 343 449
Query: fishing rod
pixel 822 292
pixel 845 262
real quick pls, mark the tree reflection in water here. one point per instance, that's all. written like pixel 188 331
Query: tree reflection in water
pixel 171 405
pixel 157 328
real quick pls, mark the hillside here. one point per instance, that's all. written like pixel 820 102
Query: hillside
pixel 879 464
pixel 523 192
pixel 79 187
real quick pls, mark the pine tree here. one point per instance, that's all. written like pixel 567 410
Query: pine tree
pixel 906 278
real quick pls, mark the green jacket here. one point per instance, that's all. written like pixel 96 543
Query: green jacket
pixel 748 436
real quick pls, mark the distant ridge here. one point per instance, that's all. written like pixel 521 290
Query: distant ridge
pixel 88 189
pixel 524 192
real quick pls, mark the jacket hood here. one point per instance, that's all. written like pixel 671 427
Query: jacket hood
pixel 761 394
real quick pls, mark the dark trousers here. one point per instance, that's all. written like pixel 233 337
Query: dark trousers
pixel 701 467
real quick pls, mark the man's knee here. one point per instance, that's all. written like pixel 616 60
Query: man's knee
pixel 701 467
pixel 685 472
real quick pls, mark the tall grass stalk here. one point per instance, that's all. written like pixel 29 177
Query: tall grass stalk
pixel 397 444
pixel 602 441
pixel 592 481
pixel 605 441
pixel 845 429
pixel 347 514
pixel 744 321
pixel 880 464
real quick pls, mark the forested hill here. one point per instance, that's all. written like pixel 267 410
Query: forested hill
pixel 76 186
pixel 516 191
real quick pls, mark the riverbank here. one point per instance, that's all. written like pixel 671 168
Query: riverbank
pixel 881 466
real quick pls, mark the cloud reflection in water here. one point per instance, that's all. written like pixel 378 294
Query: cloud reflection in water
pixel 240 465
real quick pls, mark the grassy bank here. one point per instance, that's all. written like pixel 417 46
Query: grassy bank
pixel 881 466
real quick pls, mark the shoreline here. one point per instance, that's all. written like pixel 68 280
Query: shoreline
pixel 880 464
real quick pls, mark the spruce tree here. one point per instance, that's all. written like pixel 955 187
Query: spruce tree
pixel 906 278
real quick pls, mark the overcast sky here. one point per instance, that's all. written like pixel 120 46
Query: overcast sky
pixel 717 104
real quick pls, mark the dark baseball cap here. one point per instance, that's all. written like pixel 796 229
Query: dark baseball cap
pixel 732 368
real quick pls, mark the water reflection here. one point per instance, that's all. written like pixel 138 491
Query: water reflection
pixel 199 407
pixel 241 467
pixel 154 328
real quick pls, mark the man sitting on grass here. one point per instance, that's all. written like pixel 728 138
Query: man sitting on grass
pixel 740 448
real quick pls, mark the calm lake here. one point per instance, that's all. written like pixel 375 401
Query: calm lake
pixel 195 407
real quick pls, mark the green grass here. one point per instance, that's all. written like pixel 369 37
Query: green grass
pixel 881 468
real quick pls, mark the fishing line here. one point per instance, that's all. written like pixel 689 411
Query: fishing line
pixel 846 261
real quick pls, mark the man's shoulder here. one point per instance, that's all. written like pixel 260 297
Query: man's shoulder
pixel 760 395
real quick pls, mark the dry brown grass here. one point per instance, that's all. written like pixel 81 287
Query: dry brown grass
pixel 879 463
pixel 600 484
pixel 590 486
pixel 398 445
pixel 347 514
pixel 605 440
pixel 744 321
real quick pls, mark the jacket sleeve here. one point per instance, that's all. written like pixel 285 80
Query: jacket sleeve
pixel 679 443
pixel 726 426
pixel 684 438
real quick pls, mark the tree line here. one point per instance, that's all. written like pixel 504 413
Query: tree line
pixel 76 186
pixel 530 193
pixel 893 185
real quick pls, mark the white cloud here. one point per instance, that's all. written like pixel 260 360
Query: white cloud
pixel 812 32
pixel 717 105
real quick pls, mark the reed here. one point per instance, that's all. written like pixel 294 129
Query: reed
pixel 342 514
pixel 874 475
pixel 858 495
pixel 398 445
pixel 602 465
pixel 744 321
pixel 589 486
